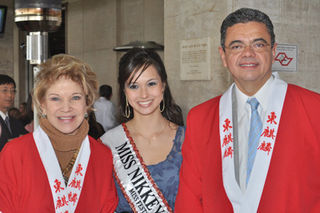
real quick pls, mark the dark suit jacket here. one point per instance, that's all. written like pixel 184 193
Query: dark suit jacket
pixel 16 127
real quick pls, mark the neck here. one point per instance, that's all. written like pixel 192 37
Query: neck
pixel 251 88
pixel 147 124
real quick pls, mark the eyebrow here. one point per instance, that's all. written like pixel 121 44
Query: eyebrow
pixel 255 40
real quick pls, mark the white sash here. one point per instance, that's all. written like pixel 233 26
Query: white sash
pixel 249 200
pixel 132 174
pixel 65 197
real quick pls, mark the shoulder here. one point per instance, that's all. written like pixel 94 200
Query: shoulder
pixel 207 105
pixel 19 145
pixel 301 92
pixel 98 148
pixel 111 134
pixel 204 110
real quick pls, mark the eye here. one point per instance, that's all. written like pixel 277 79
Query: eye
pixel 152 83
pixel 76 97
pixel 54 98
pixel 259 45
pixel 133 86
pixel 237 47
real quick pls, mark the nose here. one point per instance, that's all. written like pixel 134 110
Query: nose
pixel 66 106
pixel 248 51
pixel 144 92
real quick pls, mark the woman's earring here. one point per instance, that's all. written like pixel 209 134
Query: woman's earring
pixel 86 115
pixel 163 105
pixel 43 115
pixel 127 111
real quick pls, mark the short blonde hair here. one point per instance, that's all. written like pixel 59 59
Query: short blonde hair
pixel 63 65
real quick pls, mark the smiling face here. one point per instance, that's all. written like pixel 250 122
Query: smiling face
pixel 7 93
pixel 65 105
pixel 251 67
pixel 145 92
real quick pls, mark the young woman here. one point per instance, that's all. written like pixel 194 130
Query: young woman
pixel 58 168
pixel 146 147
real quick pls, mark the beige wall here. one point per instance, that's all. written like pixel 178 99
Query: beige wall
pixel 9 52
pixel 6 41
pixel 94 28
pixel 296 22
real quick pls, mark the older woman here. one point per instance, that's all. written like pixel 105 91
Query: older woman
pixel 146 147
pixel 59 168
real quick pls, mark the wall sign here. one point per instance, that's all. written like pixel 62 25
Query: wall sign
pixel 286 58
pixel 195 59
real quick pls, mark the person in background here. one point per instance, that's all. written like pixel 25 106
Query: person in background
pixel 146 147
pixel 104 109
pixel 59 168
pixel 256 148
pixel 29 108
pixel 95 129
pixel 11 127
pixel 14 113
pixel 23 117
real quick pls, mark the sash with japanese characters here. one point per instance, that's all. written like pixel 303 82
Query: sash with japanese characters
pixel 65 197
pixel 248 201
pixel 131 173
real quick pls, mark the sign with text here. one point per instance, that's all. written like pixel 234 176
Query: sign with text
pixel 286 58
pixel 195 59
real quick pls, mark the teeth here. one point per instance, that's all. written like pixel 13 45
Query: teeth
pixel 248 65
pixel 144 102
pixel 65 118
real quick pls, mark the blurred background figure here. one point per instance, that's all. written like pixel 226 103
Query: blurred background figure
pixel 95 128
pixel 14 113
pixel 23 117
pixel 29 114
pixel 11 127
pixel 104 109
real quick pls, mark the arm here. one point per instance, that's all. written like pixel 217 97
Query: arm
pixel 189 197
pixel 8 175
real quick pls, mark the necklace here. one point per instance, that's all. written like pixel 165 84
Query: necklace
pixel 69 166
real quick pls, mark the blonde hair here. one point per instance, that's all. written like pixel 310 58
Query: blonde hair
pixel 67 66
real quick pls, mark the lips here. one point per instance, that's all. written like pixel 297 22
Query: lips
pixel 144 103
pixel 65 118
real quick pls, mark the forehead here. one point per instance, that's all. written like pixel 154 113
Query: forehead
pixel 149 73
pixel 65 85
pixel 247 32
pixel 7 85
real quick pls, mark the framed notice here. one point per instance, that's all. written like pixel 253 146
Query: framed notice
pixel 195 59
pixel 286 58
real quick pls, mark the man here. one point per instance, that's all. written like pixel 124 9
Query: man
pixel 104 109
pixel 10 127
pixel 256 148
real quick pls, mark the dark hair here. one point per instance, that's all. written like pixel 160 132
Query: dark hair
pixel 245 15
pixel 133 61
pixel 29 108
pixel 5 79
pixel 105 91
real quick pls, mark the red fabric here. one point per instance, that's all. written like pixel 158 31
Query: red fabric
pixel 24 185
pixel 293 179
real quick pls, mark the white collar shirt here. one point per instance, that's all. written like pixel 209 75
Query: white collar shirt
pixel 244 116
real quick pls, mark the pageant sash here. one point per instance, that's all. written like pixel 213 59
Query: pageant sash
pixel 132 174
pixel 248 201
pixel 65 197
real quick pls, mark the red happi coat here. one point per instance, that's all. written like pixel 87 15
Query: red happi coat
pixel 293 179
pixel 24 185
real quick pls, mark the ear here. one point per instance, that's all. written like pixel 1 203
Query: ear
pixel 274 48
pixel 223 56
pixel 163 87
